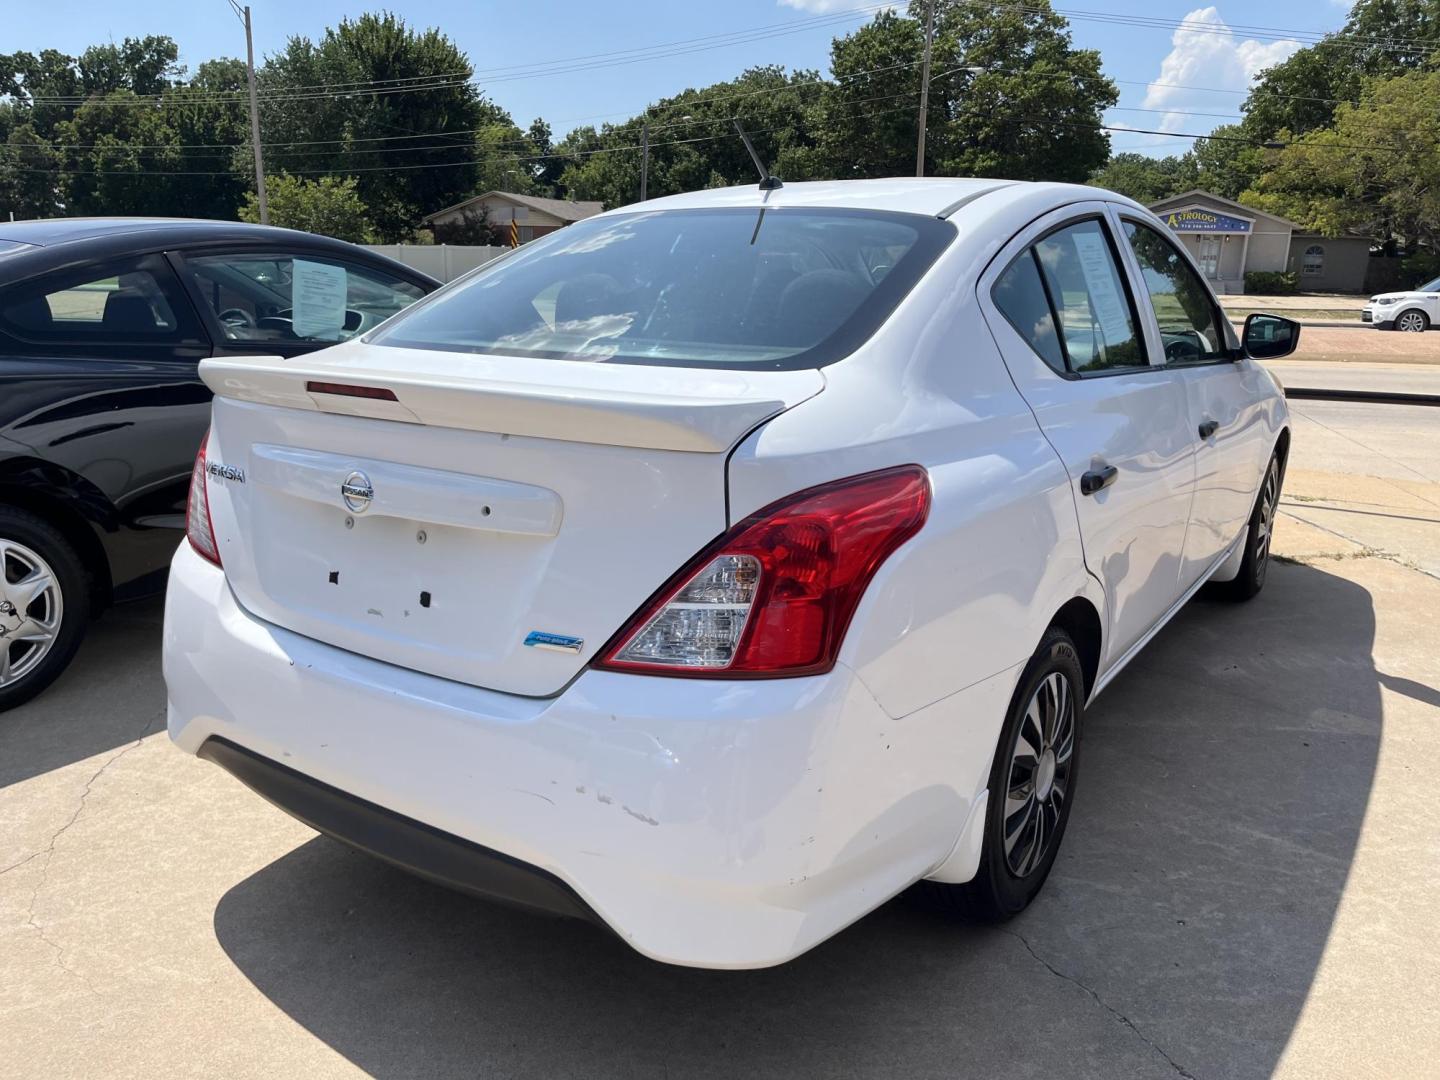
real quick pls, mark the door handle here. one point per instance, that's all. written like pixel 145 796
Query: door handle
pixel 1097 479
pixel 1208 428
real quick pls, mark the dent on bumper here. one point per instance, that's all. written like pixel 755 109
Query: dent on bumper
pixel 710 824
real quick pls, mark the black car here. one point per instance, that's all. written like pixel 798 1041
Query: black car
pixel 103 323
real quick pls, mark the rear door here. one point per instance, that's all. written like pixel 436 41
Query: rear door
pixel 1223 395
pixel 101 378
pixel 1061 310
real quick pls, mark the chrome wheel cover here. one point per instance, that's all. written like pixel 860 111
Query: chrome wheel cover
pixel 1412 322
pixel 31 607
pixel 1039 779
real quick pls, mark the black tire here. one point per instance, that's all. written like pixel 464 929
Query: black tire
pixel 1251 578
pixel 41 538
pixel 998 892
pixel 1424 320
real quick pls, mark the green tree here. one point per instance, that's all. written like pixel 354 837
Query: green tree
pixel 1229 161
pixel 1147 179
pixel 411 151
pixel 693 143
pixel 330 206
pixel 29 175
pixel 1376 171
pixel 1033 111
pixel 1380 39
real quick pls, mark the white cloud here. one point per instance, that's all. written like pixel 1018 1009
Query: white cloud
pixel 1213 57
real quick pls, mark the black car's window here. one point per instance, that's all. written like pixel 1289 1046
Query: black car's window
pixel 132 300
pixel 293 297
pixel 783 288
pixel 1189 325
pixel 1071 279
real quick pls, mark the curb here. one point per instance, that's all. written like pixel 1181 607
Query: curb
pixel 1373 397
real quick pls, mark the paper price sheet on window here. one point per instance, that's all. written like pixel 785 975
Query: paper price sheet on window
pixel 1100 280
pixel 317 300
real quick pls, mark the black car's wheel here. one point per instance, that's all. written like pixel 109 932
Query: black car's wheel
pixel 1251 578
pixel 44 605
pixel 1032 786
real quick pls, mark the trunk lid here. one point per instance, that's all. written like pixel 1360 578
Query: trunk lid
pixel 494 501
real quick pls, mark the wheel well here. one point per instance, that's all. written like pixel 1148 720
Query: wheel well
pixel 1081 621
pixel 74 528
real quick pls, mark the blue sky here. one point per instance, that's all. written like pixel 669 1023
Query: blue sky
pixel 504 35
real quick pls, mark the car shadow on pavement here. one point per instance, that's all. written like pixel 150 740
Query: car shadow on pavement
pixel 115 665
pixel 1225 779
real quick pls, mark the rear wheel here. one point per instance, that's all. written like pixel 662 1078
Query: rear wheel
pixel 44 605
pixel 1032 786
pixel 1251 578
pixel 1412 322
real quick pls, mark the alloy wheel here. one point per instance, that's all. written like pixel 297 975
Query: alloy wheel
pixel 31 607
pixel 1039 777
pixel 1265 526
pixel 1412 322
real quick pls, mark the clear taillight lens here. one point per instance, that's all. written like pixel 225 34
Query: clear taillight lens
pixel 701 626
pixel 198 527
pixel 774 596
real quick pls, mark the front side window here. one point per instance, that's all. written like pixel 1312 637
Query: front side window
pixel 1184 309
pixel 297 298
pixel 123 301
pixel 782 288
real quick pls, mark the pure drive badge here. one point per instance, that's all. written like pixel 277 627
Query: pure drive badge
pixel 538 639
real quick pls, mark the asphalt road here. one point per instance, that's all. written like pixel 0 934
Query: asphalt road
pixel 1249 888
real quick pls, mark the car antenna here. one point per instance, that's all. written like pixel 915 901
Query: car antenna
pixel 768 181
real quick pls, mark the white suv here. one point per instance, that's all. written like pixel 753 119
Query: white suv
pixel 1414 312
pixel 718 568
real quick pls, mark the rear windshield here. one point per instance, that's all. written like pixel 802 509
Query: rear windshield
pixel 729 288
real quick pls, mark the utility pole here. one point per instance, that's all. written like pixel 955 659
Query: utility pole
pixel 243 13
pixel 644 158
pixel 925 89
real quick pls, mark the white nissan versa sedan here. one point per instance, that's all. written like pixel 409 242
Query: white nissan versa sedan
pixel 719 567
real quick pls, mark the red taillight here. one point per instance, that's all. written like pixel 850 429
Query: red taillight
pixel 775 595
pixel 198 528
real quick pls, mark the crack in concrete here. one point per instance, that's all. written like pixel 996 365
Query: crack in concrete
pixel 49 851
pixel 1116 1013
pixel 1365 552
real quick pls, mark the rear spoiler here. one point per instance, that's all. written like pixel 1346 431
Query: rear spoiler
pixel 663 408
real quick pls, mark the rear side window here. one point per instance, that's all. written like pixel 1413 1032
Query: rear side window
pixel 781 288
pixel 1020 296
pixel 1068 298
pixel 134 300
pixel 293 297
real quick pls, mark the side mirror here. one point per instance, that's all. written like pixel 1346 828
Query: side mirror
pixel 1269 337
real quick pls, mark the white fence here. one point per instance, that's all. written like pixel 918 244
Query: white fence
pixel 443 261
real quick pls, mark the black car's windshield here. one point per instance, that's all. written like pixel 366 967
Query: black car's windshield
pixel 781 288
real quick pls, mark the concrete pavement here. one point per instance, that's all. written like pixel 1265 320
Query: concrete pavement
pixel 1249 886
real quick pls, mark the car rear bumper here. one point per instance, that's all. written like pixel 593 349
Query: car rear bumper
pixel 710 824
